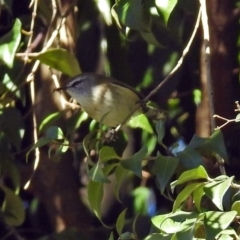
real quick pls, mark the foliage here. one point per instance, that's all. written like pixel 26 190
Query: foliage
pixel 203 206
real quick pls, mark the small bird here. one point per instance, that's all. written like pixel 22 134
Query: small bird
pixel 108 100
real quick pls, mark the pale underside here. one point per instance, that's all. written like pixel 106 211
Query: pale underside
pixel 109 103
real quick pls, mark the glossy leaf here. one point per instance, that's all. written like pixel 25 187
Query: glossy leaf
pixel 12 209
pixel 216 190
pixel 120 222
pixel 185 194
pixel 214 222
pixel 97 175
pixel 236 207
pixel 107 153
pixel 193 174
pixel 9 44
pixel 134 163
pixel 165 8
pixel 61 60
pixel 190 158
pixel 140 121
pixel 120 174
pixel 214 145
pixel 95 195
pixel 160 128
pixel 164 168
pixel 12 125
pixel 54 133
pixel 111 237
pixel 41 142
pixel 198 193
pixel 141 197
pixel 165 223
pixel 158 236
pixel 132 14
pixel 50 119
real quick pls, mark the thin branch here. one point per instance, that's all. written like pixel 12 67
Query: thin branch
pixel 178 65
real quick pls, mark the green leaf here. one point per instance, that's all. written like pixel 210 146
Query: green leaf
pixel 12 125
pixel 216 190
pixel 193 174
pixel 184 194
pixel 141 200
pixel 61 60
pixel 166 224
pixel 160 128
pixel 150 38
pixel 198 193
pixel 227 234
pixel 214 145
pixel 12 208
pixel 50 119
pixel 165 8
pixel 236 207
pixel 158 236
pixel 190 158
pixel 134 163
pixel 141 121
pixel 9 44
pixel 95 195
pixel 41 142
pixel 120 222
pixel 164 168
pixel 54 133
pixel 97 175
pixel 111 237
pixel 132 14
pixel 214 222
pixel 108 153
pixel 120 174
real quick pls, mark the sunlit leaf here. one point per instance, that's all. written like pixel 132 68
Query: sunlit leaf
pixel 61 60
pixel 214 222
pixel 198 193
pixel 50 119
pixel 165 8
pixel 185 194
pixel 141 200
pixel 190 175
pixel 236 207
pixel 140 121
pixel 9 44
pixel 215 191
